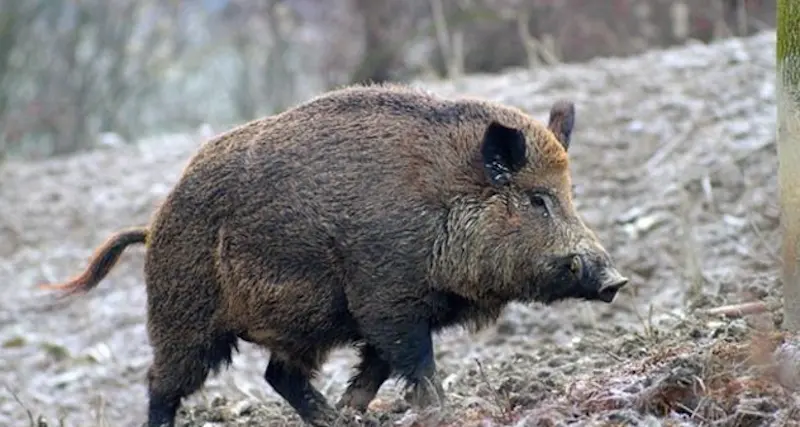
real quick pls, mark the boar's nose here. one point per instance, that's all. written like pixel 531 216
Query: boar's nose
pixel 612 282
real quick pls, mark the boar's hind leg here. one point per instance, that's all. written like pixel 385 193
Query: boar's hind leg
pixel 371 373
pixel 293 384
pixel 180 367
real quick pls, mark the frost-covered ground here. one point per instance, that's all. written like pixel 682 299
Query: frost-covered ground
pixel 675 166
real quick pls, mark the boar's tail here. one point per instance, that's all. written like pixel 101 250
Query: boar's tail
pixel 102 261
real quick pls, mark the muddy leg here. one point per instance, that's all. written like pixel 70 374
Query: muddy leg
pixel 292 383
pixel 371 373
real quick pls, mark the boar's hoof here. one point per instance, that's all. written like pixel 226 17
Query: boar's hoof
pixel 356 398
pixel 426 393
pixel 324 417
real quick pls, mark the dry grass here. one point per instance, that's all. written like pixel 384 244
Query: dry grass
pixel 698 372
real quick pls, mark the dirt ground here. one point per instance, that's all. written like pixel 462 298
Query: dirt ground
pixel 675 162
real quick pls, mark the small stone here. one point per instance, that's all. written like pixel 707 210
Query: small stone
pixel 380 405
pixel 787 357
pixel 407 420
pixel 243 407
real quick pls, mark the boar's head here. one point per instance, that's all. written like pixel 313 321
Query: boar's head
pixel 519 237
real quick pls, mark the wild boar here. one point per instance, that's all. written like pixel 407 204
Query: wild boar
pixel 370 216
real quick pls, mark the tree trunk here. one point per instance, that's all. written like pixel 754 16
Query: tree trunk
pixel 380 52
pixel 788 134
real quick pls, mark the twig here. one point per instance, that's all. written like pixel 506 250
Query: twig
pixel 692 262
pixel 647 324
pixel 534 48
pixel 739 310
pixel 721 29
pixel 773 254
pixel 741 17
pixel 18 400
pixel 694 413
pixel 101 417
pixel 498 398
pixel 614 355
pixel 451 45
pixel 672 145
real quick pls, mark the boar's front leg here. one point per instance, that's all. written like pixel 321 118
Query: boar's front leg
pixel 293 384
pixel 426 388
pixel 371 373
pixel 403 338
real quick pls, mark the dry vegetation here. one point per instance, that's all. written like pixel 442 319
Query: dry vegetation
pixel 674 162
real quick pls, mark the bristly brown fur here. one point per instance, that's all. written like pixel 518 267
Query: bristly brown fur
pixel 371 216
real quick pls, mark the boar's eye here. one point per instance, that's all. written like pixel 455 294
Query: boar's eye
pixel 543 203
pixel 576 265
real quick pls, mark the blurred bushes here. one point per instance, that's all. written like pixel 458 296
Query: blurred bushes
pixel 74 71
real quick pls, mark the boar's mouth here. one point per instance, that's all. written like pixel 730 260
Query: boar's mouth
pixel 609 290
pixel 609 282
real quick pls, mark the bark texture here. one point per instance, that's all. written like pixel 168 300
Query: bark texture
pixel 788 90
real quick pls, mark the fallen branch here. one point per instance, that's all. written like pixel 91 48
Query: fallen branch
pixel 739 310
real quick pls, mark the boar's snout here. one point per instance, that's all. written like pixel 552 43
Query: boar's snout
pixel 598 278
pixel 611 283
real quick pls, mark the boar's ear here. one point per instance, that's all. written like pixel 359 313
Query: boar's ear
pixel 504 152
pixel 562 120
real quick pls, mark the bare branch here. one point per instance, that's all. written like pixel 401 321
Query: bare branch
pixel 738 310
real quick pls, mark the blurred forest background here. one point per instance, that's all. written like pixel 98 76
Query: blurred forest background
pixel 75 74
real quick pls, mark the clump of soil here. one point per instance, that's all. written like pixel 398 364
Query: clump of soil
pixel 674 165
